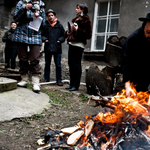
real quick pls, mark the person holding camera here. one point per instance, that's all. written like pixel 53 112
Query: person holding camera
pixel 79 31
pixel 11 51
pixel 26 12
pixel 53 36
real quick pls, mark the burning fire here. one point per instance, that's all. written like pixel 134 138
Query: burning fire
pixel 125 110
pixel 108 129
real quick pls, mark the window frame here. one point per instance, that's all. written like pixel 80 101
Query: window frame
pixel 108 17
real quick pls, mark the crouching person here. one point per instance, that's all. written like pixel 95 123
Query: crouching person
pixel 29 37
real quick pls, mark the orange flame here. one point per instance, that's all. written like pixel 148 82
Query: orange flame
pixel 148 131
pixel 135 106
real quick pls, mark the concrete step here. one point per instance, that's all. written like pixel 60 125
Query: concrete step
pixel 7 84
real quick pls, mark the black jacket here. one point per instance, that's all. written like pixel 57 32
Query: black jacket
pixel 53 34
pixel 8 39
pixel 136 59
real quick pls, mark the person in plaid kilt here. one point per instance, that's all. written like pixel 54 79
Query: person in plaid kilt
pixel 26 37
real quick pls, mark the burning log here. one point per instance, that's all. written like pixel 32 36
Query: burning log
pixel 70 130
pixel 73 138
pixel 89 127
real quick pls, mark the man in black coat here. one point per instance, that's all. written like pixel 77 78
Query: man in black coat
pixel 136 62
pixel 53 36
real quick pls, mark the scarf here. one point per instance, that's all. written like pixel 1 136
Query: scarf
pixel 53 23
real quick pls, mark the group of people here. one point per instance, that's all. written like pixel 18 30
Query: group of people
pixel 28 41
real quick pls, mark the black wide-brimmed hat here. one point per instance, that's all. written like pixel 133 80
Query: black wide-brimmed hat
pixel 50 10
pixel 147 17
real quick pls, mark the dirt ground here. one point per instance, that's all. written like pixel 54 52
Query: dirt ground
pixel 67 109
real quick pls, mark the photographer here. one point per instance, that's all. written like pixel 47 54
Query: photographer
pixel 25 12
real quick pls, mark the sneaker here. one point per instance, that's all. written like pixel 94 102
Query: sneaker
pixel 59 83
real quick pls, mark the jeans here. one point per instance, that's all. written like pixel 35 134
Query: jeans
pixel 57 60
pixel 74 62
pixel 11 54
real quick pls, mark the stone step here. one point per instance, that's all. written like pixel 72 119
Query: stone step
pixel 7 84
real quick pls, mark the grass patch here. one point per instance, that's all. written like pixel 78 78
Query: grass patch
pixel 59 97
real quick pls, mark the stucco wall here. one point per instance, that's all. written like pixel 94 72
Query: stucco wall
pixel 130 11
pixel 65 11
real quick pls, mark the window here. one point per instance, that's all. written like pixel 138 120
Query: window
pixel 106 20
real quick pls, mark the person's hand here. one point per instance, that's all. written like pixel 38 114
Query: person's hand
pixel 36 14
pixel 74 27
pixel 129 91
pixel 58 41
pixel 29 6
pixel 67 33
pixel 46 41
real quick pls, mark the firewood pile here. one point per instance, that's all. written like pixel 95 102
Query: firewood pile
pixel 121 119
pixel 109 79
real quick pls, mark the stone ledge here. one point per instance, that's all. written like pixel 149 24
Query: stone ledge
pixel 7 84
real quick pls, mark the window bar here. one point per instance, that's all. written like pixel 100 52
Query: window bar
pixel 105 40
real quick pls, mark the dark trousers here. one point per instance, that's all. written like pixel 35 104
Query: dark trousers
pixel 74 62
pixel 57 60
pixel 29 61
pixel 10 55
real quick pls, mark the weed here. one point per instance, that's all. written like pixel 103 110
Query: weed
pixel 29 86
pixel 82 96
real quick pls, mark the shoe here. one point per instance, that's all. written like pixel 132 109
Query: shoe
pixel 68 87
pixel 36 88
pixel 35 84
pixel 24 81
pixel 73 89
pixel 59 83
pixel 22 84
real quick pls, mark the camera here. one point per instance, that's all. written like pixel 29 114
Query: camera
pixel 36 5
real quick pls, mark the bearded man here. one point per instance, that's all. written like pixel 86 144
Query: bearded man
pixel 136 56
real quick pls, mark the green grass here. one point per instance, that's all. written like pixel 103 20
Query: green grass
pixel 58 97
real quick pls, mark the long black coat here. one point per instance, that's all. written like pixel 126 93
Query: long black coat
pixel 136 60
pixel 53 34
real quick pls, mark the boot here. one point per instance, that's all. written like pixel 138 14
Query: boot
pixel 35 84
pixel 24 81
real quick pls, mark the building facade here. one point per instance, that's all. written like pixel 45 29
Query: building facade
pixel 109 17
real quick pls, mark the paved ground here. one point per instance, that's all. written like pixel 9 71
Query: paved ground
pixel 21 102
